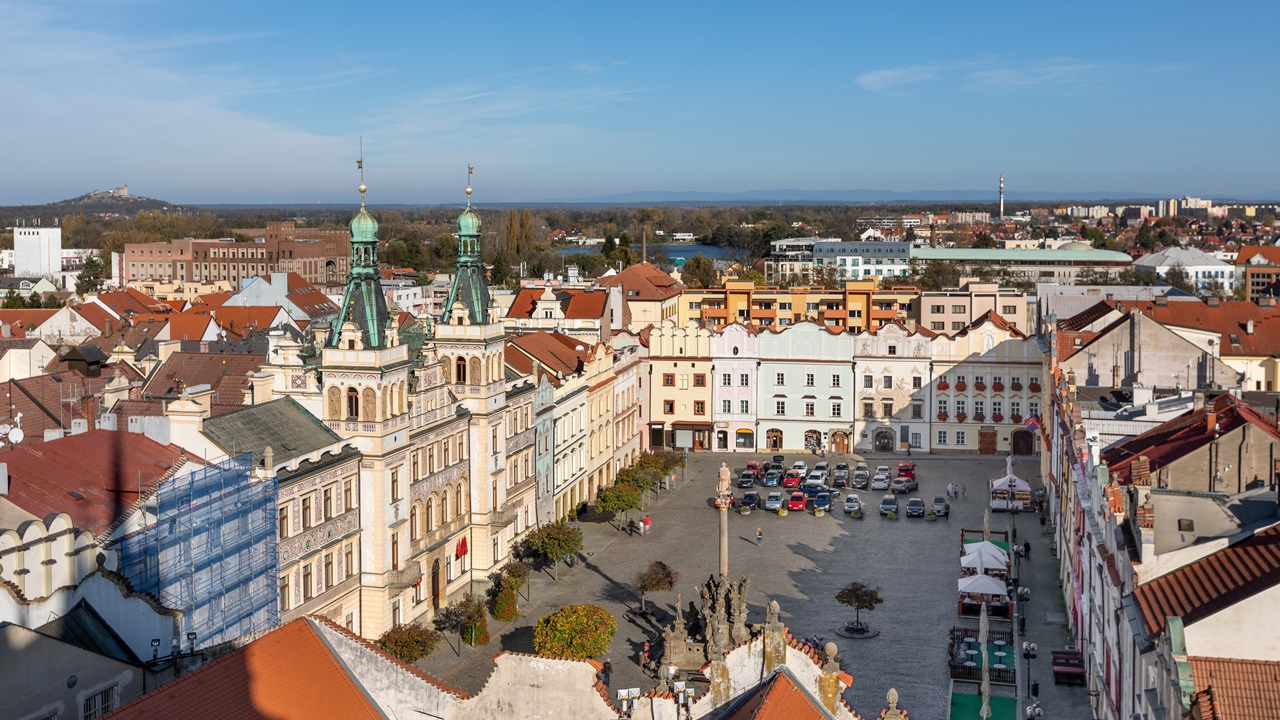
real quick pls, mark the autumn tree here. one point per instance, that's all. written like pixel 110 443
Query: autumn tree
pixel 555 543
pixel 658 577
pixel 701 269
pixel 577 632
pixel 409 642
pixel 859 596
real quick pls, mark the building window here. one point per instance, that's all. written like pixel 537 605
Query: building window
pixel 957 325
pixel 887 407
pixel 1015 407
pixel 699 380
pixel 979 407
pixel 699 407
pixel 958 309
pixel 284 593
pixel 997 407
pixel 835 381
pixel 942 438
pixel 328 503
pixel 917 382
pixel 888 382
pixel 979 379
pixel 668 380
pixel 1008 309
pixel 960 407
pixel 101 703
pixel 836 409
pixel 306 513
pixel 744 380
pixel 1186 525
pixel 780 407
pixel 668 407
pixel 306 582
pixel 395 551
pixel 937 325
pixel 868 382
pixel 808 380
pixel 937 308
pixel 868 410
pixel 395 613
pixel 726 406
pixel 348 560
pixel 942 406
pixel 346 495
pixel 282 530
pixel 893 349
pixel 917 411
pixel 960 437
pixel 328 570
pixel 808 409
pixel 744 407
pixel 1034 406
pixel 726 380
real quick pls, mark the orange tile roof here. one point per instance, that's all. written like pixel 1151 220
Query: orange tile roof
pixel 779 698
pixel 96 315
pixel 1229 319
pixel 188 326
pixel 41 400
pixel 643 281
pixel 287 673
pixel 1238 689
pixel 1213 583
pixel 226 373
pixel 239 321
pixel 575 303
pixel 131 300
pixel 215 299
pixel 105 468
pixel 309 298
pixel 557 353
pixel 1269 253
pixel 26 319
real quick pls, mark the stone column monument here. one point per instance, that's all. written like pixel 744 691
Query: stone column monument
pixel 722 499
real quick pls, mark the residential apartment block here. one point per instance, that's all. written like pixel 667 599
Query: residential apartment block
pixel 855 305
pixel 321 257
pixel 954 309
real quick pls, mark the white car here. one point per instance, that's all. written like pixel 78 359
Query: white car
pixel 882 470
pixel 801 466
pixel 852 503
pixel 817 476
pixel 880 482
pixel 822 466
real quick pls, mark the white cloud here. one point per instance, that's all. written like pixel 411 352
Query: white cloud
pixel 587 68
pixel 989 74
pixel 894 79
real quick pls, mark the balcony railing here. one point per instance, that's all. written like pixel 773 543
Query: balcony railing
pixel 406 576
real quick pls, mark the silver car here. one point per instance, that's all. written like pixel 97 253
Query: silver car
pixel 852 503
pixel 773 501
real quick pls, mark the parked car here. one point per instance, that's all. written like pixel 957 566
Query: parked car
pixel 747 479
pixel 812 488
pixel 772 477
pixel 753 464
pixel 861 479
pixel 915 507
pixel 903 484
pixel 841 473
pixel 779 459
pixel 880 482
pixel 817 476
pixel 750 500
pixel 941 507
pixel 797 501
pixel 862 467
pixel 882 470
pixel 906 468
pixel 852 503
pixel 824 466
pixel 773 501
pixel 792 479
pixel 842 467
pixel 779 467
pixel 800 465
pixel 822 501
pixel 839 481
pixel 889 504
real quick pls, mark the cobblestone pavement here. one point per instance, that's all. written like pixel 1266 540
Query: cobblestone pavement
pixel 803 562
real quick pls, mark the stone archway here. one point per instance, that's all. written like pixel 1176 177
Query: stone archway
pixel 773 439
pixel 840 443
pixel 882 440
pixel 812 439
pixel 1023 442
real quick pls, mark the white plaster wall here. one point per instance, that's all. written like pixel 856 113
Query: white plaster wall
pixel 1248 630
pixel 534 688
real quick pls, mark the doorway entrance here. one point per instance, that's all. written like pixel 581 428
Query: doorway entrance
pixel 773 439
pixel 1023 442
pixel 840 443
pixel 883 440
pixel 435 585
pixel 987 441
pixel 722 439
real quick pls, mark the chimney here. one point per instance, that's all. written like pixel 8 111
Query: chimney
pixel 1211 420
pixel 1197 400
pixel 108 328
pixel 4 478
pixel 1267 301
pixel 269 458
pixel 1140 471
pixel 1211 302
pixel 1248 327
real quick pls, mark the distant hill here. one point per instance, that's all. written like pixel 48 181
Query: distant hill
pixel 861 196
pixel 117 200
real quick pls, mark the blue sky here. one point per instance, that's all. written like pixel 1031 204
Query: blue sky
pixel 264 101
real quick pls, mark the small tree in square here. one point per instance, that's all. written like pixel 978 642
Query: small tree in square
pixel 859 596
pixel 658 577
pixel 575 631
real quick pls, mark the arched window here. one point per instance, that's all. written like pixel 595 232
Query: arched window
pixel 353 403
pixel 447 367
pixel 460 371
pixel 335 403
pixel 476 376
pixel 444 508
pixel 457 501
pixel 431 514
pixel 414 531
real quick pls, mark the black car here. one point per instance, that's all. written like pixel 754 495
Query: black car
pixel 840 481
pixel 747 479
pixel 915 507
pixel 749 500
pixel 822 501
pixel 779 459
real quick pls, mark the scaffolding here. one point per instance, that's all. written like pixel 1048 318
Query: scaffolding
pixel 211 552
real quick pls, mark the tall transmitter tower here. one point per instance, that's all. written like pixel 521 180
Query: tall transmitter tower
pixel 1002 197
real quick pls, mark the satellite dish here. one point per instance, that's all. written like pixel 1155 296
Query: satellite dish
pixel 16 435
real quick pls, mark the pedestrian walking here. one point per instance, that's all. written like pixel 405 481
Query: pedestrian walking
pixel 759 537
pixel 606 672
pixel 951 490
pixel 644 656
pixel 1026 549
pixel 964 490
pixel 1042 519
pixel 647 524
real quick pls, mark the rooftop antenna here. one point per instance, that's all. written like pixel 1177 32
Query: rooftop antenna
pixel 1001 197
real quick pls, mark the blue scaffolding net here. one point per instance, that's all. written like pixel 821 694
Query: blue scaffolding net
pixel 211 552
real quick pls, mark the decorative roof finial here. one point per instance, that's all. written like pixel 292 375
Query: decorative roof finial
pixel 360 167
pixel 470 169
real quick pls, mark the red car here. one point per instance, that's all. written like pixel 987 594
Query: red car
pixel 753 465
pixel 792 479
pixel 797 501
pixel 907 469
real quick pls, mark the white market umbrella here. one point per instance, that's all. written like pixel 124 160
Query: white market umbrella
pixel 983 561
pixel 983 632
pixel 988 548
pixel 982 585
pixel 1008 465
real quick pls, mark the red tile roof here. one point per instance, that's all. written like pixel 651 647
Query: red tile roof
pixel 576 304
pixel 96 315
pixel 131 300
pixel 555 352
pixel 309 298
pixel 1185 434
pixel 240 321
pixel 214 299
pixel 42 401
pixel 227 373
pixel 26 319
pixel 779 698
pixel 1229 319
pixel 1237 689
pixel 286 674
pixel 105 468
pixel 643 282
pixel 1269 253
pixel 1212 583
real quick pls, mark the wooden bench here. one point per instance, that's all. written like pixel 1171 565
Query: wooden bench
pixel 1068 667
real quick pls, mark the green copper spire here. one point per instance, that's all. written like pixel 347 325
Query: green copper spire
pixel 469 285
pixel 363 304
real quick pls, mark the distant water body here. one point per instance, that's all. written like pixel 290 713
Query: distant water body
pixel 672 252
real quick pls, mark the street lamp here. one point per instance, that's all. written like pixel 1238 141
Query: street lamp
pixel 1028 654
